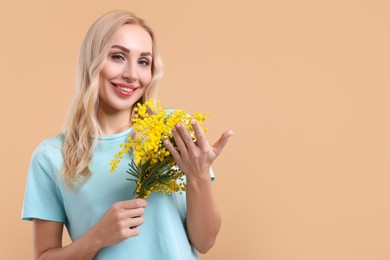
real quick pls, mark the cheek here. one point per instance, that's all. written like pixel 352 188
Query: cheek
pixel 102 91
pixel 102 79
pixel 109 70
pixel 147 78
pixel 146 72
pixel 104 73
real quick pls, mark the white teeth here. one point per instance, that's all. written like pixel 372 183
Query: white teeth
pixel 125 89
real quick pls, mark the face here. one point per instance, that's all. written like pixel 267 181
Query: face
pixel 127 71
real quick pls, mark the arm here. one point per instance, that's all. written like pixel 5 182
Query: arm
pixel 203 217
pixel 195 159
pixel 116 225
pixel 48 242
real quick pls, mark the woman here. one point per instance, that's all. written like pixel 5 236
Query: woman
pixel 68 181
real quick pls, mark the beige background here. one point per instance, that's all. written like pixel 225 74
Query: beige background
pixel 304 85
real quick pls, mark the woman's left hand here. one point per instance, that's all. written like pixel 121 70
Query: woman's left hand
pixel 195 158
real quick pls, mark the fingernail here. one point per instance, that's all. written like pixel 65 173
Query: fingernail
pixel 193 122
pixel 178 125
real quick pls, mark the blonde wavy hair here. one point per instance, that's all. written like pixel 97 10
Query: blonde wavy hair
pixel 82 130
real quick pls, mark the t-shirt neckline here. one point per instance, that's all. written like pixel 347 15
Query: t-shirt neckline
pixel 115 136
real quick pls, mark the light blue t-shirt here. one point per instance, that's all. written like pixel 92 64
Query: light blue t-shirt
pixel 163 234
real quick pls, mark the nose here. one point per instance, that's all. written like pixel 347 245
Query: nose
pixel 130 72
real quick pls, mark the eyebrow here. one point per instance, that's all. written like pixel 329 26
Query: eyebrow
pixel 128 51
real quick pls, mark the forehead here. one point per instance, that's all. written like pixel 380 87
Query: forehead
pixel 133 37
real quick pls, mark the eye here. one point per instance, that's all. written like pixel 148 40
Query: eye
pixel 118 57
pixel 144 62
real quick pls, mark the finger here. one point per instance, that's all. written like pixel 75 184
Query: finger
pixel 179 141
pixel 185 135
pixel 171 149
pixel 133 213
pixel 133 222
pixel 132 232
pixel 200 137
pixel 218 146
pixel 130 204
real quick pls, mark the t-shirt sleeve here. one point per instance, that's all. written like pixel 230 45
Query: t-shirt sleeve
pixel 42 198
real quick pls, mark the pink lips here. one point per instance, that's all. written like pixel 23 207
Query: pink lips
pixel 124 85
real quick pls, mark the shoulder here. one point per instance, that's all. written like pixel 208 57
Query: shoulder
pixel 54 142
pixel 50 145
pixel 48 152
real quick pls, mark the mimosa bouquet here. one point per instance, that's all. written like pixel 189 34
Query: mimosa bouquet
pixel 153 168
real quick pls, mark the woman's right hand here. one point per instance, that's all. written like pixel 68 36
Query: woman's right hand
pixel 119 222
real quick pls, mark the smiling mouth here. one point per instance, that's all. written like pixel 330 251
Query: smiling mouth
pixel 124 89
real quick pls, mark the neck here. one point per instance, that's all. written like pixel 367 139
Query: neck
pixel 114 122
